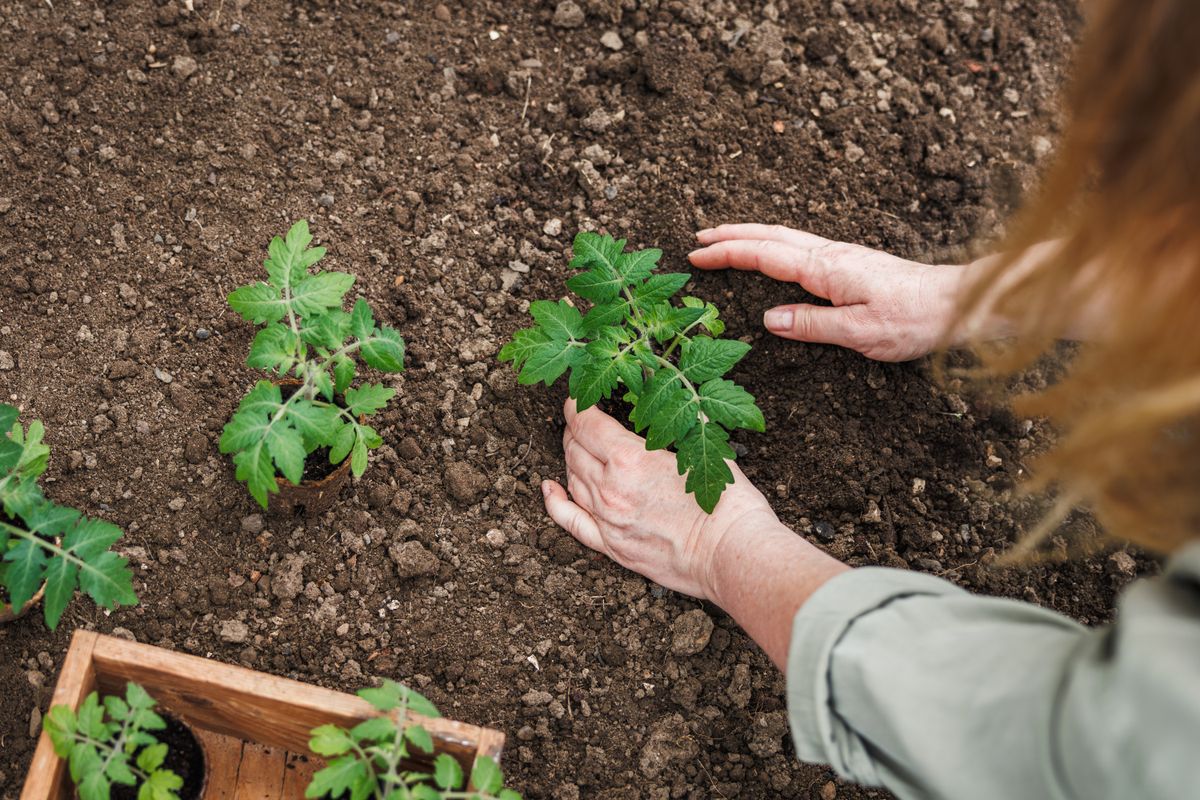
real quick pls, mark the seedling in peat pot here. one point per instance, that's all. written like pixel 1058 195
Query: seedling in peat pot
pixel 45 544
pixel 112 743
pixel 306 334
pixel 368 761
pixel 633 335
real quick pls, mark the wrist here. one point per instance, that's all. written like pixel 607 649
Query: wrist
pixel 731 565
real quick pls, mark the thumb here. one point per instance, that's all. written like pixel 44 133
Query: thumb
pixel 570 517
pixel 809 323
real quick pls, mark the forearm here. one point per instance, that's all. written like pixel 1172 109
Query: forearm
pixel 762 574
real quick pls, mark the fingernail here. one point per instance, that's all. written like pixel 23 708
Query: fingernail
pixel 697 250
pixel 701 233
pixel 545 488
pixel 778 319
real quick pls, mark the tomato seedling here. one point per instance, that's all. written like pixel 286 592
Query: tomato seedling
pixel 307 335
pixel 633 335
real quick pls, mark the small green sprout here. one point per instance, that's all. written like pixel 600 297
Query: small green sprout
pixel 45 543
pixel 111 743
pixel 308 335
pixel 368 761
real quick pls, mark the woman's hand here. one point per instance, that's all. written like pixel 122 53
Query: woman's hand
pixel 630 504
pixel 886 308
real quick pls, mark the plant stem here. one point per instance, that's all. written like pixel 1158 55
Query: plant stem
pixel 46 544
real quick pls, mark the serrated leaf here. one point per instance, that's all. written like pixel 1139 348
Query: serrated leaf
pixel 594 249
pixel 10 455
pixel 255 468
pixel 49 519
pixel 137 697
pixel 274 348
pixel 658 288
pixel 93 786
pixel 384 350
pixel 161 785
pixel 639 264
pixel 550 360
pixel 663 391
pixel 326 331
pixel 258 303
pixel 362 321
pixel 330 740
pixel 315 294
pixel 384 697
pixel 524 343
pixel 486 776
pixel 702 456
pixel 447 772
pixel 375 729
pixel 419 737
pixel 59 723
pixel 604 316
pixel 358 457
pixel 316 423
pixel 704 358
pixel 422 791
pixel 732 406
pixel 108 581
pixel 343 442
pixel 61 578
pixel 711 319
pixel 599 284
pixel 368 398
pixel 26 565
pixel 344 774
pixel 343 374
pixel 673 421
pixel 663 320
pixel 560 321
pixel 286 447
pixel 152 757
pixel 508 794
pixel 593 380
pixel 8 417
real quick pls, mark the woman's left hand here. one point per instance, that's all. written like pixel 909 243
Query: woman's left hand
pixel 630 504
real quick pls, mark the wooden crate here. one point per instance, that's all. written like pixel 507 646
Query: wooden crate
pixel 254 727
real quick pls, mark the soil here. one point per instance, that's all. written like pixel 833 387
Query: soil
pixel 446 153
pixel 185 757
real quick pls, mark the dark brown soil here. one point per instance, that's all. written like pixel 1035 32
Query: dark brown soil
pixel 185 758
pixel 445 154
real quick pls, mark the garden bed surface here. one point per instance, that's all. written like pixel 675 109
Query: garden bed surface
pixel 446 154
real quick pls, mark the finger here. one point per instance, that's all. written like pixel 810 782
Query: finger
pixel 570 517
pixel 579 460
pixel 773 233
pixel 783 262
pixel 597 432
pixel 808 323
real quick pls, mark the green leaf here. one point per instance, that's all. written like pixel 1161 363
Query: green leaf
pixel 161 785
pixel 61 577
pixel 594 380
pixel 711 319
pixel 508 794
pixel 599 284
pixel 729 404
pixel 704 358
pixel 560 321
pixel 10 455
pixel 524 343
pixel 375 729
pixel 317 424
pixel 93 786
pixel 137 697
pixel 152 757
pixel 702 455
pixel 384 697
pixel 384 350
pixel 286 447
pixel 447 772
pixel 254 466
pixel 550 360
pixel 663 321
pixel 605 316
pixel 368 398
pixel 258 303
pixel 358 457
pixel 316 294
pixel 274 348
pixel 638 265
pixel 248 426
pixel 658 288
pixel 419 737
pixel 330 740
pixel 662 392
pixel 343 373
pixel 8 417
pixel 26 565
pixel 326 331
pixel 59 723
pixel 362 321
pixel 108 581
pixel 343 443
pixel 673 421
pixel 486 776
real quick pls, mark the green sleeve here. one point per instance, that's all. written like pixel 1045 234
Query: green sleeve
pixel 903 680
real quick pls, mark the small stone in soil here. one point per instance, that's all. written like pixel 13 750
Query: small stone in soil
pixel 690 633
pixel 202 333
pixel 413 560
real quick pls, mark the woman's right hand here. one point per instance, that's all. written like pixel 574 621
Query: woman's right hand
pixel 885 307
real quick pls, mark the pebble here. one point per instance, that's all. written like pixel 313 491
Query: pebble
pixel 287 577
pixel 413 560
pixel 163 375
pixel 496 539
pixel 234 631
pixel 184 67
pixel 612 40
pixel 6 205
pixel 7 362
pixel 568 14
pixel 252 523
pixel 325 201
pixel 203 333
pixel 464 483
pixel 177 504
pixel 553 227
pixel 441 13
pixel 670 742
pixel 690 632
pixel 824 531
pixel 1121 563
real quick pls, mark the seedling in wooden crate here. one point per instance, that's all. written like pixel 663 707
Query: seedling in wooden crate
pixel 309 340
pixel 634 336
pixel 47 549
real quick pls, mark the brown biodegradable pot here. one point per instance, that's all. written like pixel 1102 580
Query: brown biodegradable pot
pixel 310 497
pixel 8 613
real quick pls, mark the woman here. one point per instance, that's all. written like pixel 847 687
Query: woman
pixel 901 679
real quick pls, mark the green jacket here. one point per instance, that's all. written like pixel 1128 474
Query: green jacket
pixel 903 680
